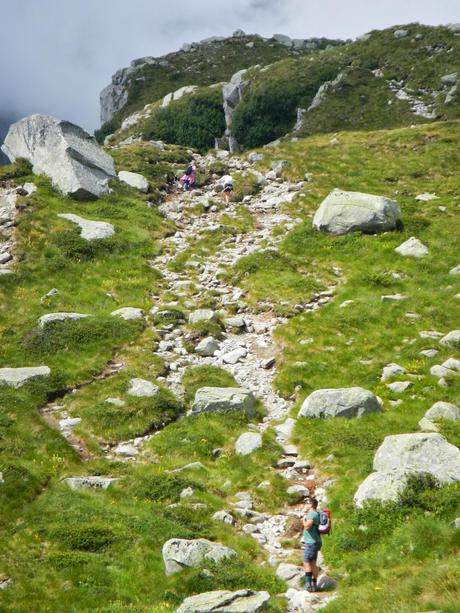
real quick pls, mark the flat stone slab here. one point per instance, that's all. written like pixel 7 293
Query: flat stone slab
pixel 134 179
pixel 17 377
pixel 90 482
pixel 90 230
pixel 50 317
pixel 340 402
pixel 412 248
pixel 128 313
pixel 222 399
pixel 202 315
pixel 248 442
pixel 142 388
pixel 182 553
pixel 223 601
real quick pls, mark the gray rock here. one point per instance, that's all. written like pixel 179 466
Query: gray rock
pixel 449 79
pixel 128 451
pixel 255 157
pixel 290 573
pixel 286 428
pixel 427 426
pixel 223 399
pixel 429 353
pixel 390 370
pixel 443 410
pixel 202 315
pixel 142 388
pixel 235 322
pixel 50 317
pixel 412 248
pixel 232 357
pixel 232 93
pixel 419 452
pixel 340 402
pixel 384 486
pixel 62 151
pixel 134 179
pixel 128 313
pixel 399 386
pixel 118 402
pixel 224 516
pixel 223 601
pixel 400 33
pixel 452 364
pixel 17 377
pixel 248 442
pixel 392 298
pixel 455 524
pixel 90 482
pixel 299 492
pixel 90 230
pixel 68 423
pixel 452 340
pixel 342 212
pixel 441 371
pixel 53 292
pixel 207 347
pixel 455 271
pixel 182 553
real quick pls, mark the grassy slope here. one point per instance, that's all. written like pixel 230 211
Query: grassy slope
pixel 404 563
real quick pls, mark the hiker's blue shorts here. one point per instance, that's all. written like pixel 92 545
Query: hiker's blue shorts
pixel 310 552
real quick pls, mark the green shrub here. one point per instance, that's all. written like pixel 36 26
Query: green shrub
pixel 194 121
pixel 91 537
pixel 75 248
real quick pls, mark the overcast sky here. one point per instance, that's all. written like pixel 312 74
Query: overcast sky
pixel 56 55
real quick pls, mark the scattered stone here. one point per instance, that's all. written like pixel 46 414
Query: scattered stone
pixel 286 428
pixel 244 601
pixel 69 423
pixel 222 399
pixel 452 340
pixel 392 298
pixel 248 442
pixel 412 248
pixel 340 402
pixel 440 371
pixel 232 357
pixel 326 583
pixel 426 197
pixel 443 410
pixel 455 524
pixel 400 33
pixel 429 353
pixel 399 386
pixel 128 451
pixel 118 402
pixel 202 315
pixel 430 334
pixel 207 347
pixel 134 179
pixel 128 313
pixel 343 212
pixel 182 553
pixel 427 426
pixel 17 377
pixel 90 482
pixel 50 294
pixel 142 388
pixel 345 303
pixel 235 322
pixel 452 364
pixel 292 574
pixel 186 492
pixel 390 370
pixel 5 582
pixel 90 230
pixel 50 317
pixel 225 517
pixel 268 363
pixel 455 271
pixel 67 154
pixel 298 492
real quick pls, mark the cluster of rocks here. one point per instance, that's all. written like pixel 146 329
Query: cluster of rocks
pixel 8 208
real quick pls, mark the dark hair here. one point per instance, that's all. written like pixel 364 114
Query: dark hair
pixel 313 501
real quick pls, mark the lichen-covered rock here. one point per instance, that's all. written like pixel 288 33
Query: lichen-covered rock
pixel 90 482
pixel 342 212
pixel 340 402
pixel 223 399
pixel 67 154
pixel 223 601
pixel 182 553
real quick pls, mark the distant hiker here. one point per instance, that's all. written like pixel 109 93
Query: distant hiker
pixel 312 541
pixel 188 179
pixel 227 183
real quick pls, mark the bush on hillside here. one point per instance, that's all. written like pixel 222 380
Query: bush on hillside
pixel 194 121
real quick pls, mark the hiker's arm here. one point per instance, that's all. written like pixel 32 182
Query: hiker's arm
pixel 307 523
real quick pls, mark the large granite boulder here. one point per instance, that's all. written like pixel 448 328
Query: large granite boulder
pixel 223 601
pixel 419 452
pixel 183 553
pixel 340 402
pixel 383 486
pixel 134 179
pixel 342 212
pixel 232 93
pixel 62 151
pixel 222 400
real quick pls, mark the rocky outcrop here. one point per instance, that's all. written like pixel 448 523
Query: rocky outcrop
pixel 90 230
pixel 340 402
pixel 17 377
pixel 73 160
pixel 342 212
pixel 182 553
pixel 232 93
pixel 223 399
pixel 223 601
pixel 402 455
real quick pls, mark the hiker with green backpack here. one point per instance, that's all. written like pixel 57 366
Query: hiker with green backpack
pixel 315 523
